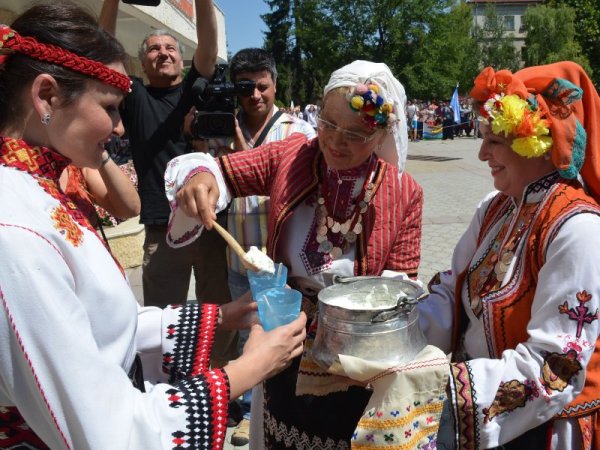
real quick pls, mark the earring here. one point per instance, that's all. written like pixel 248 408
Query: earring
pixel 46 118
pixel 547 156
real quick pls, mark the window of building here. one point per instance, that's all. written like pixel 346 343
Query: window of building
pixel 509 23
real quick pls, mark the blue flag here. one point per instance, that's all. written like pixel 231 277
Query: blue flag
pixel 455 105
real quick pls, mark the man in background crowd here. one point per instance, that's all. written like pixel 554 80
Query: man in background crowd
pixel 260 122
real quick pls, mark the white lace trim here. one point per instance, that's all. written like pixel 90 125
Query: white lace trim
pixel 292 438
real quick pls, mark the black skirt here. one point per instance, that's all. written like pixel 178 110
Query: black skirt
pixel 307 421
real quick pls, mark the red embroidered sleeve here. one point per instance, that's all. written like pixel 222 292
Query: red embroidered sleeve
pixel 205 399
pixel 193 334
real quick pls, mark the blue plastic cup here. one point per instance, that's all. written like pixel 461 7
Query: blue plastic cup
pixel 259 281
pixel 278 306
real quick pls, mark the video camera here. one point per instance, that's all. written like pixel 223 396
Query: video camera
pixel 143 2
pixel 215 104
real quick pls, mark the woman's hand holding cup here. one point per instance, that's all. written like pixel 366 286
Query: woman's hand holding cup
pixel 266 353
pixel 239 314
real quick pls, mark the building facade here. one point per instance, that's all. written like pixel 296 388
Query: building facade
pixel 512 13
pixel 134 22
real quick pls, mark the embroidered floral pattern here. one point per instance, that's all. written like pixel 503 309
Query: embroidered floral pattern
pixel 66 226
pixel 580 313
pixel 416 428
pixel 558 369
pixel 46 166
pixel 510 396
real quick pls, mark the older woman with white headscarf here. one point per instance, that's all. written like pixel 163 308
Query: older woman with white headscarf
pixel 341 204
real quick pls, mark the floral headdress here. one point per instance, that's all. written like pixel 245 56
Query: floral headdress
pixel 542 108
pixel 395 147
pixel 510 114
pixel 376 112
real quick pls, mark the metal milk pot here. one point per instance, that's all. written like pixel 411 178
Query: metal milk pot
pixel 372 318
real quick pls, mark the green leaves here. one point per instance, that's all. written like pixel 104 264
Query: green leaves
pixel 429 44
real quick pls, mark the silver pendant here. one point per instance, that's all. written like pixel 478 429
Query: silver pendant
pixel 507 258
pixel 325 247
pixel 336 252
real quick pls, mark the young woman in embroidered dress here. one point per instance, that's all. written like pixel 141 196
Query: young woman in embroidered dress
pixel 519 309
pixel 70 327
pixel 341 204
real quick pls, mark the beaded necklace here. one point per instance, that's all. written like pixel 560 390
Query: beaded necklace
pixel 490 274
pixel 329 229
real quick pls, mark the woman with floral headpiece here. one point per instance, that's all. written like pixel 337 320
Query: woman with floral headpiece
pixel 519 309
pixel 72 335
pixel 341 204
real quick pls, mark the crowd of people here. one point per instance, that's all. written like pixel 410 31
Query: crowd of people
pixel 441 114
pixel 323 190
pixel 309 113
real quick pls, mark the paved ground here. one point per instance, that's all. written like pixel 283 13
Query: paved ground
pixel 453 180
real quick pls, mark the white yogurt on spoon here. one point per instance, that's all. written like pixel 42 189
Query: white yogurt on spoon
pixel 260 260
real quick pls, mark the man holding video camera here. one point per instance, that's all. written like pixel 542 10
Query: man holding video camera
pixel 153 116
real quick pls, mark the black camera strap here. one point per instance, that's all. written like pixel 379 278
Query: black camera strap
pixel 267 128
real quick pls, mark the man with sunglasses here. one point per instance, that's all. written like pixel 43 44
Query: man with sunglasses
pixel 259 122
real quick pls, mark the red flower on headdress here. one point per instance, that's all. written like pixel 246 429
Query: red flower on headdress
pixel 489 82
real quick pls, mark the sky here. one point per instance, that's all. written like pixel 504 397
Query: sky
pixel 243 24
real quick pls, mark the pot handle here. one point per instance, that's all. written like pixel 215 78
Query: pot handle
pixel 338 279
pixel 404 306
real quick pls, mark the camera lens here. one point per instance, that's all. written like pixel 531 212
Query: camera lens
pixel 213 125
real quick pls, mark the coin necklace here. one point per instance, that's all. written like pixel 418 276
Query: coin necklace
pixel 351 227
pixel 502 259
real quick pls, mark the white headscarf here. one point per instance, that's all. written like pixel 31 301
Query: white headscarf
pixel 395 146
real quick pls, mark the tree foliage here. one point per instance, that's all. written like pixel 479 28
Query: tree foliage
pixel 587 32
pixel 447 55
pixel 431 45
pixel 551 36
pixel 426 43
pixel 495 43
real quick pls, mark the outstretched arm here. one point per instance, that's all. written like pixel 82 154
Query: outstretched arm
pixel 108 16
pixel 205 55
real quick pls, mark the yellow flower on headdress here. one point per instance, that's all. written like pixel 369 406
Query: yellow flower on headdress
pixel 357 102
pixel 532 146
pixel 386 108
pixel 512 115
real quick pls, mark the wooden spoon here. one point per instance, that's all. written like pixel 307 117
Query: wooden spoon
pixel 236 247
